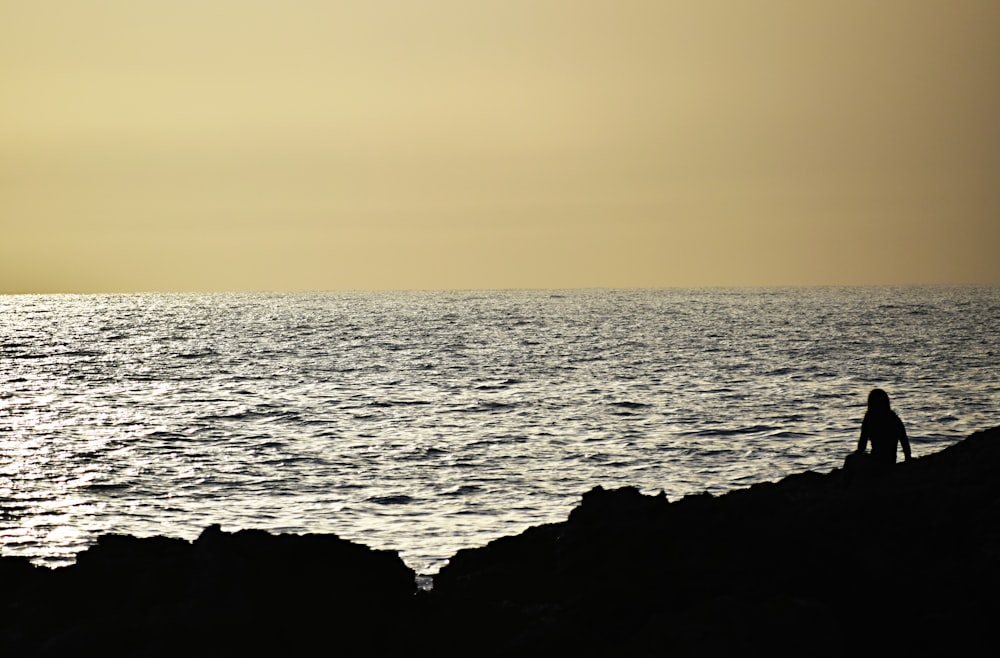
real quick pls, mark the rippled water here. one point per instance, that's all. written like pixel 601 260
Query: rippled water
pixel 429 422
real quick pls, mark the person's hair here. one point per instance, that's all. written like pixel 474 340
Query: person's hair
pixel 878 400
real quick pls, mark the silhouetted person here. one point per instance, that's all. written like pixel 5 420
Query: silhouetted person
pixel 884 429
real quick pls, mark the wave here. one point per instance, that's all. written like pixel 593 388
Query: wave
pixel 461 490
pixel 631 405
pixel 791 435
pixel 501 386
pixel 384 404
pixel 195 355
pixel 97 486
pixel 753 429
pixel 487 406
pixel 398 499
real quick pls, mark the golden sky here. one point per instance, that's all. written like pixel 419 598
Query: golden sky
pixel 428 144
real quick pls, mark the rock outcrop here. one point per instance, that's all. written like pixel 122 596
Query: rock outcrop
pixel 818 564
pixel 225 594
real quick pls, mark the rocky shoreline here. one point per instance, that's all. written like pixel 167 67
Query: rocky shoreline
pixel 816 563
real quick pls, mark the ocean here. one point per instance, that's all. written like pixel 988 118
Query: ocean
pixel 428 422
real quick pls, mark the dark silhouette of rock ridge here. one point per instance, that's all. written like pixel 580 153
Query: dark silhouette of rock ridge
pixel 909 561
pixel 225 594
pixel 814 564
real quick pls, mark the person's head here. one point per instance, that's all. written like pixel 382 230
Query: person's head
pixel 878 400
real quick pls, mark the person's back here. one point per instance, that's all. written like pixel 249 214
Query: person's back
pixel 884 429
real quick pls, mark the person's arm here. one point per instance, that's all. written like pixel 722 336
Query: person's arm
pixel 904 441
pixel 863 439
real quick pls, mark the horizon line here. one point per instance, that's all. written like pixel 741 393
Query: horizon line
pixel 321 291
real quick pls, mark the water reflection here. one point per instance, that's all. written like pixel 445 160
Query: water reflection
pixel 478 414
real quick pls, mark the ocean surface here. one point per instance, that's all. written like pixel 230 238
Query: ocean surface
pixel 427 422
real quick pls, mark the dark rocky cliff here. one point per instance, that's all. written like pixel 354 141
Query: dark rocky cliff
pixel 909 560
pixel 817 564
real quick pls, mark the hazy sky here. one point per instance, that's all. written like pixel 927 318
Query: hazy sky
pixel 371 144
